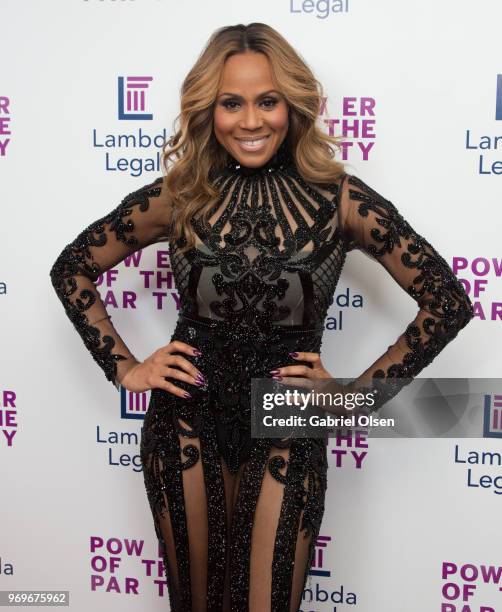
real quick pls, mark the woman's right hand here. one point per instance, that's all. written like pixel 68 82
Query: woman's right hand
pixel 151 373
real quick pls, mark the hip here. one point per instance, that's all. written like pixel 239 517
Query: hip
pixel 230 357
pixel 254 348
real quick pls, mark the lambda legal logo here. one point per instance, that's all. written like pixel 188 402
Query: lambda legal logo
pixel 133 405
pixel 318 562
pixel 132 97
pixel 492 425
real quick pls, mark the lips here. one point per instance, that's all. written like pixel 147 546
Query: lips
pixel 253 144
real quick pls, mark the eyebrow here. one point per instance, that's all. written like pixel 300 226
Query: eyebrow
pixel 234 95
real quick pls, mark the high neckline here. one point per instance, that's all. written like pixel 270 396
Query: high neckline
pixel 280 160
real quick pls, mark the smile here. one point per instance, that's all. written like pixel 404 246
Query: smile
pixel 252 144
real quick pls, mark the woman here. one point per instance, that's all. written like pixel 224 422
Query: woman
pixel 259 217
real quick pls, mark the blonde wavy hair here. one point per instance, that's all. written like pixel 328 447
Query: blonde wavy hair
pixel 193 149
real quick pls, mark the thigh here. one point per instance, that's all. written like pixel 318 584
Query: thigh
pixel 279 505
pixel 190 492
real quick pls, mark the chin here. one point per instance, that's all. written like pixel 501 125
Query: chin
pixel 253 162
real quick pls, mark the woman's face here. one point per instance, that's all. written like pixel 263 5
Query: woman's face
pixel 250 115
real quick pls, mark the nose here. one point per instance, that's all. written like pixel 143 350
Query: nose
pixel 252 118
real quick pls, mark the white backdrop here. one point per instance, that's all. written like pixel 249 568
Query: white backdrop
pixel 407 525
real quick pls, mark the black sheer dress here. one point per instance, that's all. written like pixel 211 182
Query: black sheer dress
pixel 238 517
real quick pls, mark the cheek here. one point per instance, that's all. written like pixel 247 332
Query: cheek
pixel 223 122
pixel 279 118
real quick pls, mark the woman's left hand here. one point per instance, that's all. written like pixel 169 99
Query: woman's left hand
pixel 302 375
pixel 317 371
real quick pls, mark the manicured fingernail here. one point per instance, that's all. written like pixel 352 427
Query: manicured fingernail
pixel 275 377
pixel 197 352
pixel 274 371
pixel 293 354
pixel 199 382
pixel 200 376
pixel 186 394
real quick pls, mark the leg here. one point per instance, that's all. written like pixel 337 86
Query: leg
pixel 231 481
pixel 277 517
pixel 187 487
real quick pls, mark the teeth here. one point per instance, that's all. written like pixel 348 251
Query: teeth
pixel 254 143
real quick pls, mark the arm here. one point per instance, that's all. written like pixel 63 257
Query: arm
pixel 142 218
pixel 372 223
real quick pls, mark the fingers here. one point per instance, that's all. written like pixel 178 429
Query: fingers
pixel 165 364
pixel 164 357
pixel 300 370
pixel 180 362
pixel 305 356
pixel 192 379
pixel 297 370
pixel 167 385
pixel 180 347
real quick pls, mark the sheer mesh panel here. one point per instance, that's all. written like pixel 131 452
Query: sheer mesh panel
pixel 373 224
pixel 141 219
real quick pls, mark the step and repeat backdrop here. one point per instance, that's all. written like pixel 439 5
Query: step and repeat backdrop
pixel 415 88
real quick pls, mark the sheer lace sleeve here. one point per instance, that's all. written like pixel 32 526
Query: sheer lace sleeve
pixel 142 218
pixel 373 224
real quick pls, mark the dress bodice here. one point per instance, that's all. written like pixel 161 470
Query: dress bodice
pixel 271 249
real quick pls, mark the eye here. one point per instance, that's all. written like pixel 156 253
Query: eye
pixel 228 104
pixel 269 102
pixel 231 104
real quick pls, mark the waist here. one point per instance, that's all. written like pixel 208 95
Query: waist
pixel 223 325
pixel 243 349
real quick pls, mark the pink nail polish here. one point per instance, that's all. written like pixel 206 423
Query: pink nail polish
pixel 274 371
